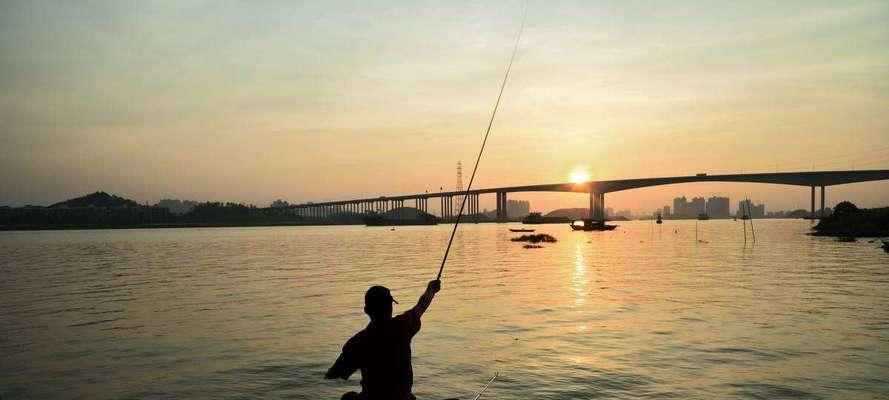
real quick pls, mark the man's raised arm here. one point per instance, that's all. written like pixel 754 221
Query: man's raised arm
pixel 426 298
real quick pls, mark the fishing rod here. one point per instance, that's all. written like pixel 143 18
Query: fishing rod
pixel 484 141
pixel 479 395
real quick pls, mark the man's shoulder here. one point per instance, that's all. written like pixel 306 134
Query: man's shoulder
pixel 408 315
pixel 409 320
pixel 356 340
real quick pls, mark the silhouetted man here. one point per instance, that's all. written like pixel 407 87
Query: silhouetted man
pixel 382 351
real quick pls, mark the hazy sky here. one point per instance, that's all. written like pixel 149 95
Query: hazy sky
pixel 252 101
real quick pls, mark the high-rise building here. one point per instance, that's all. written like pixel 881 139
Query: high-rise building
pixel 517 208
pixel 665 213
pixel 746 207
pixel 680 207
pixel 718 207
pixel 697 206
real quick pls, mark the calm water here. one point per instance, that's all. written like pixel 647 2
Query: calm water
pixel 641 312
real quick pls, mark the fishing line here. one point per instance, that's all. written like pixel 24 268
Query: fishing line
pixel 484 141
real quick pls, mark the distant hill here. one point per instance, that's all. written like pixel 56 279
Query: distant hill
pixel 579 213
pixel 98 199
pixel 572 213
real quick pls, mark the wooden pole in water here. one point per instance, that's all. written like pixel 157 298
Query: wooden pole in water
pixel 750 211
pixel 744 223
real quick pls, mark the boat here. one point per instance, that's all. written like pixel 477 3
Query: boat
pixel 703 217
pixel 521 230
pixel 591 225
pixel 659 220
pixel 375 219
pixel 537 218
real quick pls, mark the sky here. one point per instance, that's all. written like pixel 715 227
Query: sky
pixel 314 101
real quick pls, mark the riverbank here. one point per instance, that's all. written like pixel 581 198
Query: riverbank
pixel 851 221
pixel 161 226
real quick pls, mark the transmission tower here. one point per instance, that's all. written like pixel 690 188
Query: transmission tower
pixel 459 176
pixel 459 199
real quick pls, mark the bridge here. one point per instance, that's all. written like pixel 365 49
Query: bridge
pixel 595 189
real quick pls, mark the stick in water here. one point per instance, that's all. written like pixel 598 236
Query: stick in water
pixel 484 141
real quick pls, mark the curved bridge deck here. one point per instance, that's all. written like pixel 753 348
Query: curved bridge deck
pixel 596 189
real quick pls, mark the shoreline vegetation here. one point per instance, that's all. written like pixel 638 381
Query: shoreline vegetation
pixel 849 221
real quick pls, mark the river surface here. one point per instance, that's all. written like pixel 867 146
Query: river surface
pixel 645 311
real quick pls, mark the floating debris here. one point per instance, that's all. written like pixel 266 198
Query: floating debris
pixel 536 238
pixel 532 246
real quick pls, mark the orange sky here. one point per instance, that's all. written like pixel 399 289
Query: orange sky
pixel 313 102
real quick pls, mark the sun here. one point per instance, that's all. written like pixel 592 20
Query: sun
pixel 579 176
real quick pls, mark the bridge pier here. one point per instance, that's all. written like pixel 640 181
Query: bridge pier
pixel 822 202
pixel 473 204
pixel 502 215
pixel 812 211
pixel 499 206
pixel 443 209
pixel 597 206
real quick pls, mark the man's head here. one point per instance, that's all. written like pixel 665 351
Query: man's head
pixel 378 303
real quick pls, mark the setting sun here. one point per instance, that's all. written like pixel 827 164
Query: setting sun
pixel 579 176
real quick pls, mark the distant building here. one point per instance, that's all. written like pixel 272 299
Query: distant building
pixel 517 208
pixel 628 214
pixel 177 206
pixel 680 207
pixel 718 207
pixel 755 210
pixel 698 206
pixel 665 212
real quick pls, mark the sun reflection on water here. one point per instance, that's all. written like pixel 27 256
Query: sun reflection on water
pixel 578 279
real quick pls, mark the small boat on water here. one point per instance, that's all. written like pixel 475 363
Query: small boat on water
pixel 591 225
pixel 703 217
pixel 659 220
pixel 521 230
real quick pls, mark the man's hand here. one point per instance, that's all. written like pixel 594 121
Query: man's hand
pixel 434 286
pixel 426 298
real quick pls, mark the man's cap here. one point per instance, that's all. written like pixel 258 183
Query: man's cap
pixel 378 295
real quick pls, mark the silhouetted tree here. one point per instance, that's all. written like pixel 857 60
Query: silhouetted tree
pixel 279 204
pixel 845 208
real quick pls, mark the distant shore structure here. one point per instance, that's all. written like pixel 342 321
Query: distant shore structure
pixel 597 191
